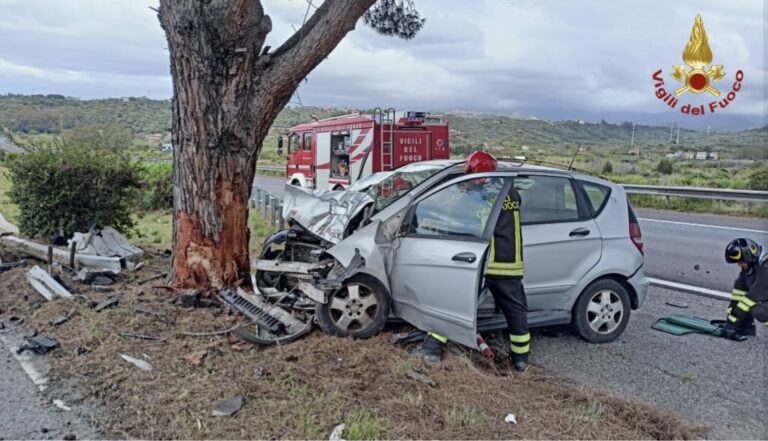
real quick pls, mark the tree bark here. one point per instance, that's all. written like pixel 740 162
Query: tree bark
pixel 227 93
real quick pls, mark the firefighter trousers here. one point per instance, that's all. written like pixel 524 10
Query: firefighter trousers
pixel 509 295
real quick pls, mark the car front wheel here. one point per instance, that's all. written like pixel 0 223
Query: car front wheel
pixel 359 309
pixel 602 311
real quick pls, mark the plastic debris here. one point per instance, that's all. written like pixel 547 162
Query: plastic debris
pixel 337 433
pixel 59 319
pixel 228 407
pixel 510 418
pixel 39 345
pixel 139 363
pixel 46 285
pixel 108 303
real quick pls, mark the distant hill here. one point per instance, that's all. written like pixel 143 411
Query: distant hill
pixel 52 113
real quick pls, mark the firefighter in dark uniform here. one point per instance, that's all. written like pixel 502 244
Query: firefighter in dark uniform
pixel 503 276
pixel 749 299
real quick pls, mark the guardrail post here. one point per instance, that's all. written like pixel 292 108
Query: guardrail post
pixel 263 204
pixel 666 200
pixel 254 201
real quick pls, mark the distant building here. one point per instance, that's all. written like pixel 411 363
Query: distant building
pixel 155 137
pixel 525 147
pixel 583 149
pixel 671 156
pixel 701 156
pixel 714 156
pixel 689 155
pixel 167 147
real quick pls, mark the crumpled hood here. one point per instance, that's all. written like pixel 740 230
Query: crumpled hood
pixel 324 213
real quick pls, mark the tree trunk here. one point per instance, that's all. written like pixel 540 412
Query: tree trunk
pixel 227 93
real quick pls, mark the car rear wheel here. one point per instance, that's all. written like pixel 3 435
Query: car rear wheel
pixel 359 309
pixel 602 311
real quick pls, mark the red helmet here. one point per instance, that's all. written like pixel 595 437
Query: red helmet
pixel 478 162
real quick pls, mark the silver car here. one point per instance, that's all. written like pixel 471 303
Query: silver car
pixel 409 244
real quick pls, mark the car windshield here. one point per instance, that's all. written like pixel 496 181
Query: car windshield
pixel 387 187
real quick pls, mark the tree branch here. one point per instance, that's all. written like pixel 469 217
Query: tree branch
pixel 317 38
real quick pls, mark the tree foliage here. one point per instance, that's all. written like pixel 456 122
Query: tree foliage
pixel 100 136
pixel 394 18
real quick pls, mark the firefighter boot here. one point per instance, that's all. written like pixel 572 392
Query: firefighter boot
pixel 748 330
pixel 431 350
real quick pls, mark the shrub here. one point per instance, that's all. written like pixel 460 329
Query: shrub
pixel 607 168
pixel 66 188
pixel 157 187
pixel 758 179
pixel 665 167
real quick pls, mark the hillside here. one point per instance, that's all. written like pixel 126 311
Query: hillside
pixel 53 113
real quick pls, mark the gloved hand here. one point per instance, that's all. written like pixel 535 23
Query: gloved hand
pixel 731 333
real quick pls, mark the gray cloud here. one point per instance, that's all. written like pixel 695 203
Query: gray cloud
pixel 546 58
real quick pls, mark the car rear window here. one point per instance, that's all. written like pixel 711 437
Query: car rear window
pixel 597 195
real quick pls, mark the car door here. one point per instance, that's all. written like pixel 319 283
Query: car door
pixel 438 258
pixel 561 240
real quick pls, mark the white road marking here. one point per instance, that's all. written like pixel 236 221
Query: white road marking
pixel 704 225
pixel 38 378
pixel 691 289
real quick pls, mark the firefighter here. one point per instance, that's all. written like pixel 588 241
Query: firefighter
pixel 749 299
pixel 503 276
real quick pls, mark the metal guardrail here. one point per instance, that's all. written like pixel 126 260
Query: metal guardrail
pixel 721 194
pixel 270 207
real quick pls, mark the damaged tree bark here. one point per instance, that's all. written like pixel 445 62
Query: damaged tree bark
pixel 228 90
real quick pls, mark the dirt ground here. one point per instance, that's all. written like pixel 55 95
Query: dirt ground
pixel 301 390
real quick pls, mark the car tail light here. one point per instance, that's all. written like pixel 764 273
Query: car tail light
pixel 634 230
pixel 636 235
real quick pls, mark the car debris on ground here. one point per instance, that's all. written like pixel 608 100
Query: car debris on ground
pixel 39 344
pixel 139 363
pixel 46 285
pixel 228 407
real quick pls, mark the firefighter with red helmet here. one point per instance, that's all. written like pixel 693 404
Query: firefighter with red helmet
pixel 503 275
pixel 749 299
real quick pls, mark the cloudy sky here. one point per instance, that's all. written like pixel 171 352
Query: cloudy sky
pixel 554 59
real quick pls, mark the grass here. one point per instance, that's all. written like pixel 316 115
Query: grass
pixel 363 425
pixel 8 209
pixel 464 416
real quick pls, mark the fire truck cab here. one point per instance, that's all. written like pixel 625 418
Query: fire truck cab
pixel 333 153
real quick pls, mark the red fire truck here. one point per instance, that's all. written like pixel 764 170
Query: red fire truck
pixel 335 152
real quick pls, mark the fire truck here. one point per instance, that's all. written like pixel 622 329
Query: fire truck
pixel 333 153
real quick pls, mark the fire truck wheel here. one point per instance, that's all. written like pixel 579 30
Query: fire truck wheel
pixel 359 309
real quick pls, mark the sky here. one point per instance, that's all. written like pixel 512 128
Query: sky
pixel 550 59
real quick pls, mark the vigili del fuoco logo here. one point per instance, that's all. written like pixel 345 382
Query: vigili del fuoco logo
pixel 697 78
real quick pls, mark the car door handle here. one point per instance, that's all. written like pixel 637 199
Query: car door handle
pixel 579 232
pixel 464 257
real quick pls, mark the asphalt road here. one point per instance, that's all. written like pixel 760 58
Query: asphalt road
pixel 28 413
pixel 679 247
pixel 711 381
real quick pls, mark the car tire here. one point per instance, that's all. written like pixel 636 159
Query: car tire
pixel 360 315
pixel 602 311
pixel 296 183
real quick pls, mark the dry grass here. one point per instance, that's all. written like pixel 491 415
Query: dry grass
pixel 303 390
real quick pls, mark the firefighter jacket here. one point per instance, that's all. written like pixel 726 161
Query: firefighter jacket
pixel 750 295
pixel 506 257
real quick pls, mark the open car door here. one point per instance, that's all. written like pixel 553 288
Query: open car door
pixel 439 255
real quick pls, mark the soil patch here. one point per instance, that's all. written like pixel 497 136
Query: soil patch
pixel 303 389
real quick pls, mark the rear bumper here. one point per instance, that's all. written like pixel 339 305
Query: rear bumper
pixel 640 284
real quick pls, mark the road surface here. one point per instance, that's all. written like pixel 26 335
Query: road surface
pixel 679 247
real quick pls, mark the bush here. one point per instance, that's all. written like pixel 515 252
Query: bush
pixel 607 168
pixel 758 179
pixel 665 167
pixel 157 187
pixel 66 188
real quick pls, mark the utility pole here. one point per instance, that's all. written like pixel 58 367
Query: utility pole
pixel 632 142
pixel 671 126
pixel 678 136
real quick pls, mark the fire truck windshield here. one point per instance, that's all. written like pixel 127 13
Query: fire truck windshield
pixel 387 187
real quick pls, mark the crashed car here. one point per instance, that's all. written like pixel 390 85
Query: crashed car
pixel 408 244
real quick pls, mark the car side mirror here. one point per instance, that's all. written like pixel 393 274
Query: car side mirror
pixel 280 146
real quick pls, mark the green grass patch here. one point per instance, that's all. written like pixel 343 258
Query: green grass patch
pixel 8 209
pixel 363 425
